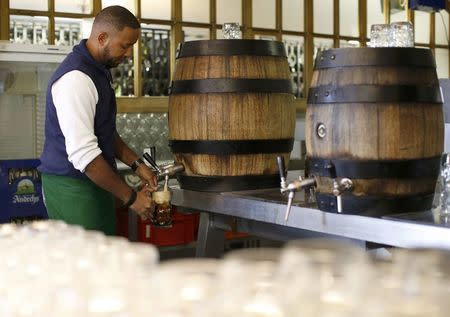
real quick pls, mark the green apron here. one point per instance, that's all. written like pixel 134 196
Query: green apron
pixel 79 202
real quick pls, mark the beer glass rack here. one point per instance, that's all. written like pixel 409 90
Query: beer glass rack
pixel 123 78
pixel 155 62
pixel 34 30
pixel 296 59
pixel 155 44
pixel 26 30
pixel 67 33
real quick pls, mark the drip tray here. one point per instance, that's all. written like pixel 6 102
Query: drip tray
pixel 273 195
pixel 425 217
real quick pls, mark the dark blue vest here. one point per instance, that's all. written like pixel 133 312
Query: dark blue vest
pixel 54 158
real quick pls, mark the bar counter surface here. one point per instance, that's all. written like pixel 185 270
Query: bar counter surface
pixel 262 212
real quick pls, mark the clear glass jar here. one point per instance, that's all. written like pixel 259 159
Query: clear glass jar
pixel 231 31
pixel 401 34
pixel 379 35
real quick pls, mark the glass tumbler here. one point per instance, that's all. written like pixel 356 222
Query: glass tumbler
pixel 231 31
pixel 401 34
pixel 379 35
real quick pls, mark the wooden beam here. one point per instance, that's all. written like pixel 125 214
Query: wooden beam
pixel 137 9
pixel 196 24
pixel 362 18
pixel 336 25
pixel 176 34
pixel 295 33
pixel 137 56
pixel 387 11
pixel 247 19
pixel 309 43
pixel 265 31
pixel 213 19
pixel 28 12
pixel 410 16
pixel 300 105
pixel 96 7
pixel 142 104
pixel 156 21
pixel 72 15
pixel 432 32
pixel 4 20
pixel 137 68
pixel 49 14
pixel 51 22
pixel 279 19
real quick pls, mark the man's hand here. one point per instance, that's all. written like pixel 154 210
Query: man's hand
pixel 148 178
pixel 144 204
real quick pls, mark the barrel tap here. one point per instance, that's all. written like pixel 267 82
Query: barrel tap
pixel 293 187
pixel 344 184
pixel 163 172
pixel 339 186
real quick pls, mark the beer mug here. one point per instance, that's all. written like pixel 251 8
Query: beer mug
pixel 161 215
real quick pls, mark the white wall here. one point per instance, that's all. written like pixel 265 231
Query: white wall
pixel 348 17
pixel 29 4
pixel 293 15
pixel 264 14
pixel 323 16
pixel 129 4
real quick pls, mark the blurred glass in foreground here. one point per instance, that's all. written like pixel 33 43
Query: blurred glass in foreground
pixel 396 34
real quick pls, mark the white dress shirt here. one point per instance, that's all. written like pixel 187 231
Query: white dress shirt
pixel 75 98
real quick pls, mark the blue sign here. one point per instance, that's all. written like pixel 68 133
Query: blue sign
pixel 426 5
pixel 21 191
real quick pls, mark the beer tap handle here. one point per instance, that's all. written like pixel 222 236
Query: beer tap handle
pixel 338 186
pixel 339 203
pixel 151 161
pixel 289 205
pixel 293 187
pixel 345 184
pixel 153 152
pixel 282 171
pixel 281 167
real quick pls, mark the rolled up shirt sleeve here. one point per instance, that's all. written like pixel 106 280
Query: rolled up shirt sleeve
pixel 75 98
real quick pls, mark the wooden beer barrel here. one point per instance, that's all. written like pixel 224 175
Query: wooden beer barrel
pixel 231 113
pixel 374 115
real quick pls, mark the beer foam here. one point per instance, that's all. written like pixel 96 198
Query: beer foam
pixel 161 197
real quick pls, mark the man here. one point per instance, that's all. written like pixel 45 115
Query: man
pixel 79 176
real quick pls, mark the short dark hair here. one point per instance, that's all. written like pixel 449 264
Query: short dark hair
pixel 118 17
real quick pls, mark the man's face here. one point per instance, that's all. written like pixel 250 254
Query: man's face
pixel 119 46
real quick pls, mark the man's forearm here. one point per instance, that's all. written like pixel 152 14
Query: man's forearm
pixel 101 173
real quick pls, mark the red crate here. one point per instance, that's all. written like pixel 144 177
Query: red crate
pixel 181 231
pixel 122 222
pixel 196 223
pixel 230 235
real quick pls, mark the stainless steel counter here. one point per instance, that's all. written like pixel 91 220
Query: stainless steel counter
pixel 261 213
